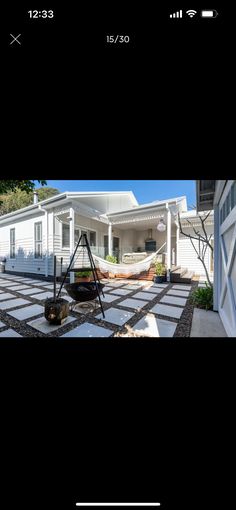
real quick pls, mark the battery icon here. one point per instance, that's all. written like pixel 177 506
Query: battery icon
pixel 209 14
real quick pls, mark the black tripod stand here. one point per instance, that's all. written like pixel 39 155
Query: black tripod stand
pixel 85 244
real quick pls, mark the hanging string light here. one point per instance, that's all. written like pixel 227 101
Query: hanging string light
pixel 161 227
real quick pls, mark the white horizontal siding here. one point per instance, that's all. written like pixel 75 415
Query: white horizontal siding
pixel 60 253
pixel 81 260
pixel 24 245
pixel 188 257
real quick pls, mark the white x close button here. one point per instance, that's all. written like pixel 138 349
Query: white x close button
pixel 15 39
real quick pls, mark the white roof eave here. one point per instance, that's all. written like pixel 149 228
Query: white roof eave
pixel 157 205
pixel 62 198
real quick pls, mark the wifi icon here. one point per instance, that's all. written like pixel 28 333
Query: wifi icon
pixel 191 13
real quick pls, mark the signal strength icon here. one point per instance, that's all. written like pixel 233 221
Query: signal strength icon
pixel 191 13
pixel 178 14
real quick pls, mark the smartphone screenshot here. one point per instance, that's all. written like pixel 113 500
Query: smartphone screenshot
pixel 117 182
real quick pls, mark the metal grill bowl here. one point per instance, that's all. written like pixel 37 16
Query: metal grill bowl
pixel 85 291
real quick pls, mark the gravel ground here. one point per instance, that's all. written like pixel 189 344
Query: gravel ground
pixel 183 324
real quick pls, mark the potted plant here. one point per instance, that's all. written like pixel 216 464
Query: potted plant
pixel 160 271
pixel 83 276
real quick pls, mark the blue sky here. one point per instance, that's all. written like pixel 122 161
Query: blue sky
pixel 145 191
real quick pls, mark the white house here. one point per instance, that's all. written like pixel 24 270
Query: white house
pixel 114 222
pixel 221 195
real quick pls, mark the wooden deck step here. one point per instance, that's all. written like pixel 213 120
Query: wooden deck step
pixel 181 275
pixel 175 269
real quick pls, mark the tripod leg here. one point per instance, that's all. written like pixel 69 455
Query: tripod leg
pixel 94 269
pixel 69 267
pixel 94 272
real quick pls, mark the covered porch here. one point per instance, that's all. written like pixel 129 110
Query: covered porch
pixel 130 236
pixel 144 231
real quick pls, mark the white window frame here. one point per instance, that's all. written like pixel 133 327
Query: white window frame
pixel 120 241
pixel 79 228
pixel 14 244
pixel 37 241
pixel 65 248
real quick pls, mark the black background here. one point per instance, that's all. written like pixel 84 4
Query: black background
pixel 119 420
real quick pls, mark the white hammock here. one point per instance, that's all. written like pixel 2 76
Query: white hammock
pixel 138 267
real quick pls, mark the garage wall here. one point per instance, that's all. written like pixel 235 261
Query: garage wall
pixel 227 259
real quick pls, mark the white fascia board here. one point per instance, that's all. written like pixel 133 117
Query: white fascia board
pixel 183 202
pixel 88 212
pixel 135 211
pixel 102 193
pixel 25 211
pixel 152 205
pixel 194 213
pixel 193 217
pixel 19 216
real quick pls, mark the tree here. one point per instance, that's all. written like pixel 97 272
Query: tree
pixel 17 199
pixel 203 241
pixel 23 185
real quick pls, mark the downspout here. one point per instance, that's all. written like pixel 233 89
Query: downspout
pixel 110 251
pixel 46 235
pixel 216 286
pixel 168 241
pixel 46 240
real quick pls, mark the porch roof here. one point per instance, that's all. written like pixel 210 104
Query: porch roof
pixel 156 204
pixel 146 215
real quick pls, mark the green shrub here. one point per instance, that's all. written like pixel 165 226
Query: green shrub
pixel 83 274
pixel 203 298
pixel 112 259
pixel 160 269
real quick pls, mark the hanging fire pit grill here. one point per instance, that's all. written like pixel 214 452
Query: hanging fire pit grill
pixel 84 291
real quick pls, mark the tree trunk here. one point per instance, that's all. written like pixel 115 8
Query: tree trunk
pixel 204 239
pixel 206 271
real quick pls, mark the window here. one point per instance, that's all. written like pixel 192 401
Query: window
pixel 77 235
pixel 12 243
pixel 224 211
pixel 229 203
pixel 65 235
pixel 38 252
pixel 221 215
pixel 232 197
pixel 92 238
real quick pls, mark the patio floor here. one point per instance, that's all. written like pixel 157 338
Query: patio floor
pixel 132 309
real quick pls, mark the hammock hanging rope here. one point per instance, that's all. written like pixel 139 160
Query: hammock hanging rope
pixel 138 267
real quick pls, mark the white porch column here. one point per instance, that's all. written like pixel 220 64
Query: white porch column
pixel 72 239
pixel 168 242
pixel 46 243
pixel 110 239
pixel 217 259
pixel 177 245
